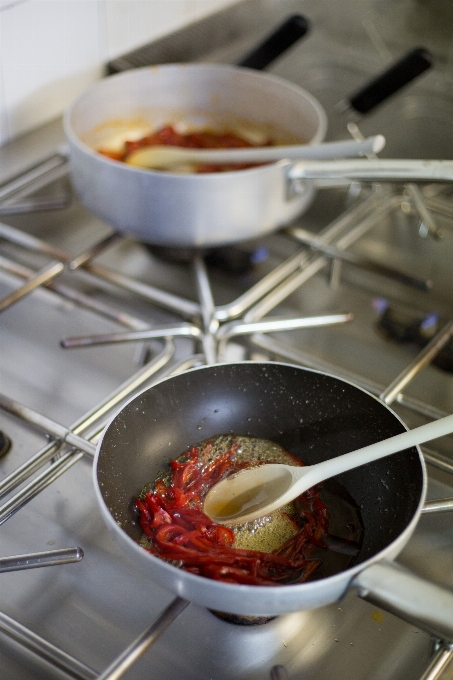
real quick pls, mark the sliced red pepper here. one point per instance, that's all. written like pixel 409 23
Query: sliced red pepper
pixel 172 518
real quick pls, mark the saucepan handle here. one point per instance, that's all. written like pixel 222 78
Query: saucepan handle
pixel 394 78
pixel 339 172
pixel 400 73
pixel 282 38
pixel 412 598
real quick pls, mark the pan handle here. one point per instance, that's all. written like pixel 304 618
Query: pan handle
pixel 397 75
pixel 281 39
pixel 412 598
pixel 340 172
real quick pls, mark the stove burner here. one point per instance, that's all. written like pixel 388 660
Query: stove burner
pixel 229 259
pixel 413 330
pixel 239 620
pixel 235 260
pixel 5 444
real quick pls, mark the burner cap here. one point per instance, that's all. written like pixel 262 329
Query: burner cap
pixel 5 444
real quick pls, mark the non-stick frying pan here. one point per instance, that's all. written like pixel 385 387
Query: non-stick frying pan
pixel 312 415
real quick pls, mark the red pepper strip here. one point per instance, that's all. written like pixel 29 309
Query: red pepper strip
pixel 233 575
pixel 145 518
pixel 186 474
pixel 156 512
pixel 195 539
pixel 224 536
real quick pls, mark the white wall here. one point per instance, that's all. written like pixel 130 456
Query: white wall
pixel 51 49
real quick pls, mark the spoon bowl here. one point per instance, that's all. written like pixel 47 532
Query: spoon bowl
pixel 258 491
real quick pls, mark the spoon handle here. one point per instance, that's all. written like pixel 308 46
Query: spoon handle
pixel 368 454
pixel 325 150
pixel 152 156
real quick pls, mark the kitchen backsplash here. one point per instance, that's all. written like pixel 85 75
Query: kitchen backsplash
pixel 50 50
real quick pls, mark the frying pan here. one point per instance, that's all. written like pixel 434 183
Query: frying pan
pixel 312 415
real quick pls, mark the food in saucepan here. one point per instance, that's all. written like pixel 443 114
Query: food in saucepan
pixel 286 547
pixel 202 138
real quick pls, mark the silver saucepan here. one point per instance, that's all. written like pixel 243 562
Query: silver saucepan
pixel 313 416
pixel 207 210
pixel 171 209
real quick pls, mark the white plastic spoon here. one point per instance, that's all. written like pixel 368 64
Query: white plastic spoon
pixel 258 491
pixel 161 157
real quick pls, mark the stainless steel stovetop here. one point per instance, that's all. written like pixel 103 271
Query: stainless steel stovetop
pixel 74 620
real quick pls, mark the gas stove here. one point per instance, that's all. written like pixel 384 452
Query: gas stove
pixel 359 287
